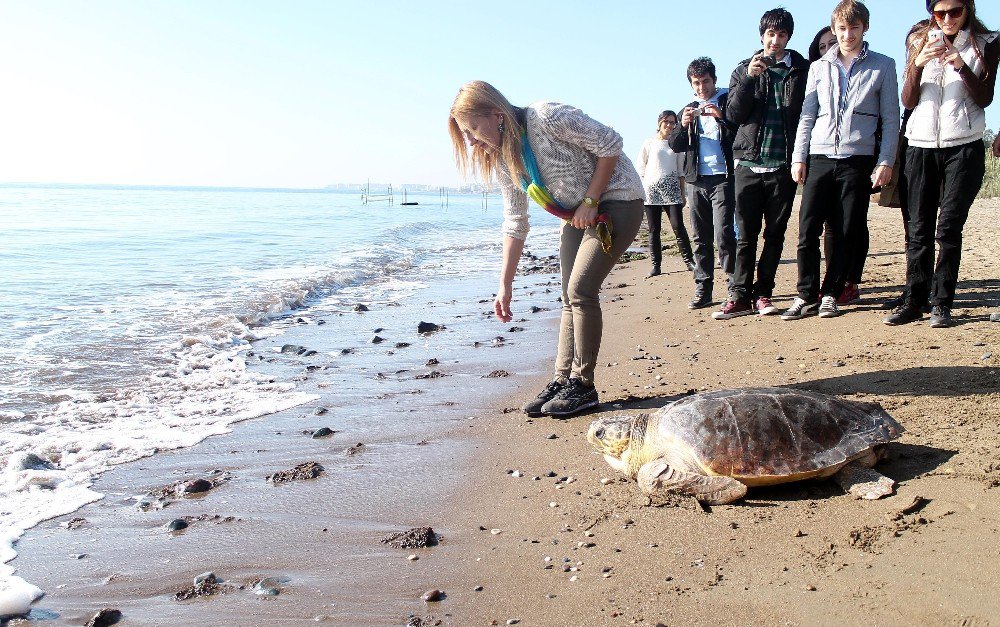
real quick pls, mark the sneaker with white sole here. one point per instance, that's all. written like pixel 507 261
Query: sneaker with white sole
pixel 765 307
pixel 575 397
pixel 800 309
pixel 828 307
pixel 733 309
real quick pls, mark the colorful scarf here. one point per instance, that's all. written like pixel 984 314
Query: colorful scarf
pixel 536 190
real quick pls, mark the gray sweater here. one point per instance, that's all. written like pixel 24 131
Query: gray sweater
pixel 872 93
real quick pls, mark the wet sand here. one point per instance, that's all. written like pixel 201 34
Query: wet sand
pixel 570 549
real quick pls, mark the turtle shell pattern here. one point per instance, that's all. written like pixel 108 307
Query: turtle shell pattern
pixel 759 432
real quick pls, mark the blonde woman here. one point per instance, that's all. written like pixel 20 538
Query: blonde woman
pixel 574 164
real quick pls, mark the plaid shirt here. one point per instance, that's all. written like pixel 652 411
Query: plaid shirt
pixel 774 143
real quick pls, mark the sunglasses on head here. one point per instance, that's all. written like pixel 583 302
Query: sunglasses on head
pixel 954 14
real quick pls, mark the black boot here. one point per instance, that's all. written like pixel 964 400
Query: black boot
pixel 654 270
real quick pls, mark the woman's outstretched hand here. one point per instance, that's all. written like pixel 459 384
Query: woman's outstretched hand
pixel 501 304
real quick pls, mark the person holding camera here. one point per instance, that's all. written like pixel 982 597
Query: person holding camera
pixel 766 93
pixel 847 92
pixel 705 137
pixel 950 79
pixel 662 175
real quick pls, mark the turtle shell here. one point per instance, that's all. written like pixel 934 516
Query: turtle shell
pixel 772 432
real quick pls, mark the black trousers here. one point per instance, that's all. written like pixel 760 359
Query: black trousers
pixel 943 183
pixel 675 213
pixel 836 191
pixel 767 198
pixel 712 205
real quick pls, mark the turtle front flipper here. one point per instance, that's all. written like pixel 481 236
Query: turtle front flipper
pixel 658 478
pixel 864 483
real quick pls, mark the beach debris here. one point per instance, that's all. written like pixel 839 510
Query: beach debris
pixel 205 584
pixel 322 432
pixel 432 596
pixel 74 523
pixel 497 374
pixel 433 374
pixel 916 505
pixel 416 538
pixel 429 327
pixel 105 617
pixel 177 524
pixel 853 433
pixel 307 470
pixel 361 308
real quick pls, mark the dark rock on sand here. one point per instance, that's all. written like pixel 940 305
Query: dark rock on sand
pixel 497 374
pixel 269 586
pixel 319 411
pixel 205 584
pixel 432 596
pixel 402 344
pixel 416 538
pixel 537 309
pixel 29 461
pixel 177 524
pixel 359 307
pixel 429 327
pixel 515 329
pixel 346 351
pixel 323 432
pixel 433 374
pixel 105 617
pixel 194 486
pixel 293 348
pixel 75 523
pixel 378 339
pixel 432 362
pixel 307 470
pixel 354 450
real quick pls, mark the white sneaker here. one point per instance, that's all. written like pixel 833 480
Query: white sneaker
pixel 799 309
pixel 828 307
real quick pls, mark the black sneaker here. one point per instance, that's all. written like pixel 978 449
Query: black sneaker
pixel 903 315
pixel 573 398
pixel 702 299
pixel 940 317
pixel 654 271
pixel 534 407
pixel 895 303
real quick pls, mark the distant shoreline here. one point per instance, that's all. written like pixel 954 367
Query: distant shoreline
pixel 211 188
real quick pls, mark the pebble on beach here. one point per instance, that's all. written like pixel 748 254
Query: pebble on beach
pixel 432 596
pixel 105 617
pixel 323 432
pixel 307 470
pixel 429 327
pixel 416 538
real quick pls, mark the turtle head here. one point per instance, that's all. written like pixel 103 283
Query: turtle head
pixel 611 437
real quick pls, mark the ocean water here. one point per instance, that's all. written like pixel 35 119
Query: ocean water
pixel 128 317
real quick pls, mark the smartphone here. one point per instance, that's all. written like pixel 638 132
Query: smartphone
pixel 935 36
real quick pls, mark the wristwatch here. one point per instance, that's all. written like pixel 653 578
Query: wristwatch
pixel 590 202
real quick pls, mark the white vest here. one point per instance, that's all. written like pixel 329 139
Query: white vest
pixel 946 116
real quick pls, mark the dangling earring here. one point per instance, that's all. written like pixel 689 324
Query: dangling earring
pixel 500 127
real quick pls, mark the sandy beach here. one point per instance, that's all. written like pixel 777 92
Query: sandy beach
pixel 536 529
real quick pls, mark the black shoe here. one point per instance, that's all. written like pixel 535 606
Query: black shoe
pixel 689 263
pixel 702 299
pixel 895 303
pixel 940 317
pixel 902 315
pixel 534 408
pixel 654 271
pixel 573 398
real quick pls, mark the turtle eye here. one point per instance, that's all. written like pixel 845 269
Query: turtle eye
pixel 599 434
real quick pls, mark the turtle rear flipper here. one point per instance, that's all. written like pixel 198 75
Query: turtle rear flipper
pixel 658 478
pixel 862 482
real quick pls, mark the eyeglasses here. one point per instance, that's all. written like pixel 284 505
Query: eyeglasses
pixel 954 14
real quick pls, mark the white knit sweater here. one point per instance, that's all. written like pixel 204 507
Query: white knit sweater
pixel 566 143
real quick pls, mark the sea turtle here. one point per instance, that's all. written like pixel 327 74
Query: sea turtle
pixel 714 445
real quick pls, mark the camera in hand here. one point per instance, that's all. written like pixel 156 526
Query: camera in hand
pixel 768 60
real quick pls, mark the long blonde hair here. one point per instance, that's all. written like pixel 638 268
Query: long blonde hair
pixel 479 98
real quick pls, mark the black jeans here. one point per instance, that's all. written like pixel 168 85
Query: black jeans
pixel 949 178
pixel 836 191
pixel 710 199
pixel 766 198
pixel 676 216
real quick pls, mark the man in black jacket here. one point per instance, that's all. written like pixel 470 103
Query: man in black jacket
pixel 706 139
pixel 765 100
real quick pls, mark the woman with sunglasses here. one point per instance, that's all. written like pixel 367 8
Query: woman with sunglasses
pixel 950 78
pixel 662 172
pixel 573 166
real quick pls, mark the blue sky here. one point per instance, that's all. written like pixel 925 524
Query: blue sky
pixel 307 93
